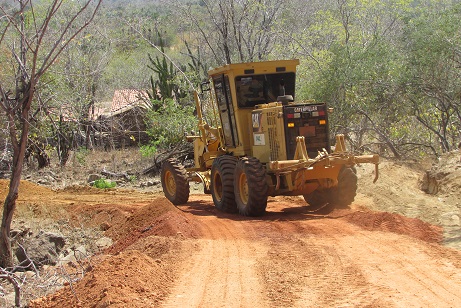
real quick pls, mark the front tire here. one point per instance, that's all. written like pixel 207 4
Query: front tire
pixel 326 200
pixel 320 201
pixel 222 183
pixel 347 187
pixel 250 187
pixel 174 182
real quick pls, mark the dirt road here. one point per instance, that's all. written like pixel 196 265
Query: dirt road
pixel 196 256
pixel 294 258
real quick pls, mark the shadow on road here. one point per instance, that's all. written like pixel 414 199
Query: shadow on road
pixel 276 211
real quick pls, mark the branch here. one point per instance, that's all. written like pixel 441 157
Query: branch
pixel 8 24
pixel 301 44
pixel 380 133
pixel 50 58
pixel 27 263
pixel 13 279
pixel 164 54
pixel 204 35
pixel 161 157
pixel 115 175
pixel 422 145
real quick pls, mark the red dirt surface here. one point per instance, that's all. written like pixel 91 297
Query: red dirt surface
pixel 196 256
pixel 383 221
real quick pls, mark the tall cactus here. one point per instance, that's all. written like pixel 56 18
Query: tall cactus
pixel 164 87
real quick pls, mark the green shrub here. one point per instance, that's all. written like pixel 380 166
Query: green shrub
pixel 167 126
pixel 103 183
pixel 148 150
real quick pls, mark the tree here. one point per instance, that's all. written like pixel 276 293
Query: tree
pixel 25 30
pixel 78 77
pixel 233 31
pixel 432 83
pixel 356 71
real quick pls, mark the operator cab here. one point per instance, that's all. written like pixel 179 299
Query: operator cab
pixel 263 89
pixel 275 126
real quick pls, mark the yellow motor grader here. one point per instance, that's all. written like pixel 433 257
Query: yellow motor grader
pixel 264 145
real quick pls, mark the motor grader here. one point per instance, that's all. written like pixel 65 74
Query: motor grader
pixel 264 144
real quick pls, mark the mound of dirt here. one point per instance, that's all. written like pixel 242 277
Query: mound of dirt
pixel 138 268
pixel 383 221
pixel 147 231
pixel 130 279
pixel 169 224
pixel 120 218
pixel 27 190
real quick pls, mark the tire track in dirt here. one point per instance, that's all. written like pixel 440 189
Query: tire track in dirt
pixel 342 265
pixel 294 258
pixel 221 273
pixel 301 270
pixel 399 266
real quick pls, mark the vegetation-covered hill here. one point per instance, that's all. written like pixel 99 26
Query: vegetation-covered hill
pixel 390 68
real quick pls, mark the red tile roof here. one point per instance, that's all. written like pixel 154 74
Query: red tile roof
pixel 128 98
pixel 123 100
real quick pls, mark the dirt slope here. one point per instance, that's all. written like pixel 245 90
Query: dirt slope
pixel 398 190
pixel 196 256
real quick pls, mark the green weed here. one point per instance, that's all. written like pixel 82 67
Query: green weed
pixel 103 183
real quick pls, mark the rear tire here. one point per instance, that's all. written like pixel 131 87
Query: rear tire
pixel 250 187
pixel 222 183
pixel 174 182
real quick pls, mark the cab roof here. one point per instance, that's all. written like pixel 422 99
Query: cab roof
pixel 256 68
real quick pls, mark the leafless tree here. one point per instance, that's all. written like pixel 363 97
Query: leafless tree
pixel 235 30
pixel 34 46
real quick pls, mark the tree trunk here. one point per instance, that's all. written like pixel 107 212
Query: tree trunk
pixel 6 254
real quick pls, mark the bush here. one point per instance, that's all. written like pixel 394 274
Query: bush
pixel 167 126
pixel 103 183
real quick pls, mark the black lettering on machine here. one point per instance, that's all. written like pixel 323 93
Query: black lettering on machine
pixel 305 108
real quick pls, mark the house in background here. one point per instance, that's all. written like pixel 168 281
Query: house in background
pixel 121 122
